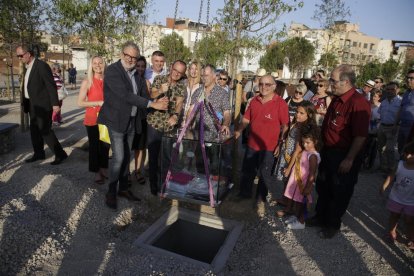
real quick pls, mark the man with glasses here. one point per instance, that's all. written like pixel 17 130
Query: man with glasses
pixel 157 66
pixel 223 78
pixel 379 82
pixel 171 87
pixel 266 115
pixel 344 131
pixel 40 99
pixel 406 112
pixel 387 130
pixel 125 104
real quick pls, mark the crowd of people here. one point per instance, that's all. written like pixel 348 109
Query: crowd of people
pixel 316 138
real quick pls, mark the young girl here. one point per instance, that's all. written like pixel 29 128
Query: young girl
pixel 401 197
pixel 303 176
pixel 305 116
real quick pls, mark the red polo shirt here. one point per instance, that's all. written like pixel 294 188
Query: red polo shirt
pixel 347 117
pixel 265 121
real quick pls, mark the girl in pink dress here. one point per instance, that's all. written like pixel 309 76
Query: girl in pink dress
pixel 303 176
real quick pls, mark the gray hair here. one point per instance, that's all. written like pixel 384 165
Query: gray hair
pixel 347 73
pixel 301 88
pixel 130 44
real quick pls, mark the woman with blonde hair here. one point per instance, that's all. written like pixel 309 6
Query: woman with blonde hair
pixel 321 100
pixel 91 97
pixel 193 83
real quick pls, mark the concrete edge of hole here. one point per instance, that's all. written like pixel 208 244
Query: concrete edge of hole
pixel 234 228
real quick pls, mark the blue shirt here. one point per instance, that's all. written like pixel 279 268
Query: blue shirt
pixel 388 110
pixel 150 74
pixel 407 109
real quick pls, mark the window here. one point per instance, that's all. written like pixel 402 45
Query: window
pixel 365 45
pixel 352 56
pixel 354 44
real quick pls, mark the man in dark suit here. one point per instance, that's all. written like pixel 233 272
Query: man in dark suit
pixel 125 104
pixel 40 99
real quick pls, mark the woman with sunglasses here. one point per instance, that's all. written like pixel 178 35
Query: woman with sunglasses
pixel 294 101
pixel 321 100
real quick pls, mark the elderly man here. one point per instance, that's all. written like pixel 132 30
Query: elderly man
pixel 344 131
pixel 387 130
pixel 40 99
pixel 406 112
pixel 266 114
pixel 367 88
pixel 125 103
pixel 157 66
pixel 160 121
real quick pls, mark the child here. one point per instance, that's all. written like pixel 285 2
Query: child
pixel 303 176
pixel 305 117
pixel 401 197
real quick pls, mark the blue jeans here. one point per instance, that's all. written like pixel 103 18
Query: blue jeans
pixel 121 144
pixel 257 163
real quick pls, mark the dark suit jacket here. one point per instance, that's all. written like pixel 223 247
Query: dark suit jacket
pixel 119 99
pixel 42 89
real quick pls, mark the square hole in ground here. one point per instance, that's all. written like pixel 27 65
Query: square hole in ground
pixel 194 237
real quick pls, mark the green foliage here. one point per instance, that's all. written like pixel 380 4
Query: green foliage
pixel 211 49
pixel 330 11
pixel 245 22
pixel 173 47
pixel 101 24
pixel 329 61
pixel 273 58
pixel 390 70
pixel 300 53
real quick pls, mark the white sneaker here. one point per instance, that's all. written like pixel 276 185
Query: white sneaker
pixel 290 219
pixel 296 225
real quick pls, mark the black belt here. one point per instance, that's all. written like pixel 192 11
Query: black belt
pixel 387 124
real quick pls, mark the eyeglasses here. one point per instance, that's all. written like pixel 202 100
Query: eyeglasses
pixel 378 81
pixel 178 72
pixel 297 92
pixel 410 78
pixel 225 79
pixel 130 58
pixel 321 85
pixel 266 84
pixel 20 56
pixel 332 81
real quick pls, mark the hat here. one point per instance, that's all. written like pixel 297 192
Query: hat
pixel 275 74
pixel 370 83
pixel 260 72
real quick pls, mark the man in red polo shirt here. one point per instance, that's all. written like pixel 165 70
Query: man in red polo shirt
pixel 344 131
pixel 266 114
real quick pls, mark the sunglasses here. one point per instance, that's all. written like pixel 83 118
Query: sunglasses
pixel 321 85
pixel 378 82
pixel 297 92
pixel 20 56
pixel 225 79
pixel 265 84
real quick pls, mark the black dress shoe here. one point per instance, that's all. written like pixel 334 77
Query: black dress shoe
pixel 34 158
pixel 110 201
pixel 128 195
pixel 59 159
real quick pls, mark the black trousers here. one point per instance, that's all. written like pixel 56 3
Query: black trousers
pixel 334 190
pixel 41 132
pixel 98 150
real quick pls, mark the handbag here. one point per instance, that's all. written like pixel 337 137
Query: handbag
pixel 62 93
pixel 104 134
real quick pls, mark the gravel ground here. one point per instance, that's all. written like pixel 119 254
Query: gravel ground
pixel 53 221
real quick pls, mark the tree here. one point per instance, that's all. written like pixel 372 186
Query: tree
pixel 300 54
pixel 390 70
pixel 173 47
pixel 329 61
pixel 100 23
pixel 368 72
pixel 273 58
pixel 211 49
pixel 327 13
pixel 250 23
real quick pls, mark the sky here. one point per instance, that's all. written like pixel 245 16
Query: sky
pixel 385 19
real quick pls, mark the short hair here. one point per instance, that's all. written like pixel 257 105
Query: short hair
pixel 27 48
pixel 158 53
pixel 130 44
pixel 321 71
pixel 180 61
pixel 411 71
pixel 56 66
pixel 211 66
pixel 380 78
pixel 224 73
pixel 301 88
pixel 347 73
pixel 409 148
pixel 280 87
pixel 393 83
